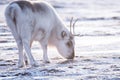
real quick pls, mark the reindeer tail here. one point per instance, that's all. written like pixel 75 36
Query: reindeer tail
pixel 11 16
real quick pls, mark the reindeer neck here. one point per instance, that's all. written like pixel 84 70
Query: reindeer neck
pixel 56 32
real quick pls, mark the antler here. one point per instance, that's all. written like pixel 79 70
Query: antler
pixel 73 25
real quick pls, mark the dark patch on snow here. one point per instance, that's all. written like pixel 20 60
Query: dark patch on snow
pixel 3 41
pixel 3 75
pixel 88 60
pixel 67 61
pixel 90 68
pixel 115 66
pixel 23 74
pixel 1 60
pixel 70 67
pixel 116 57
pixel 51 70
pixel 116 69
pixel 91 77
pixel 10 48
pixel 7 64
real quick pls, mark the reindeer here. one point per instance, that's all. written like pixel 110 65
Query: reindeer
pixel 40 22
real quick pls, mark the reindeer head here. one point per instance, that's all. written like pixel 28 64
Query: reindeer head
pixel 66 43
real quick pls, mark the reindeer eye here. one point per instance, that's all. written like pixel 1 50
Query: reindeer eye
pixel 69 44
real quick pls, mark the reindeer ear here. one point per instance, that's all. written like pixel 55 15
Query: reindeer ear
pixel 63 34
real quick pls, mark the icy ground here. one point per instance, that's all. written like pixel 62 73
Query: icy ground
pixel 97 48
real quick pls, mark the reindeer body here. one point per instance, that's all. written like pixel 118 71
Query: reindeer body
pixel 39 22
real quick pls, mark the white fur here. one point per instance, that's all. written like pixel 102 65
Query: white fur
pixel 45 27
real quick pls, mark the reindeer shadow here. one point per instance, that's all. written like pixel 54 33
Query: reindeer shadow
pixel 67 61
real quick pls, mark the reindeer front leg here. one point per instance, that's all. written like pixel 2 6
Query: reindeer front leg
pixel 45 56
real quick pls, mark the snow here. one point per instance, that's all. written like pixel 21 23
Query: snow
pixel 97 48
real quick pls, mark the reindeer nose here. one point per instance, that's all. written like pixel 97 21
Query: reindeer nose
pixel 72 55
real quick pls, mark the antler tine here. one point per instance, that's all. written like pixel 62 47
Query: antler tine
pixel 71 24
pixel 74 26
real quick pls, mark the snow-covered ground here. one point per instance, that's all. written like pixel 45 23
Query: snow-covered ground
pixel 97 48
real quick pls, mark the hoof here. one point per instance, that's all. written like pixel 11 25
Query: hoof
pixel 20 66
pixel 46 61
pixel 35 65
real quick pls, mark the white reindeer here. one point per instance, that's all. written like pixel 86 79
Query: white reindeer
pixel 40 22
